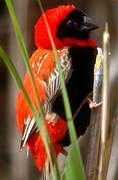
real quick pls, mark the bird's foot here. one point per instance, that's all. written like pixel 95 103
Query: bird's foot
pixel 92 104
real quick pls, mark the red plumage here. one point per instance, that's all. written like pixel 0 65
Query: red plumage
pixel 54 17
pixel 22 106
pixel 56 130
pixel 43 65
pixel 36 144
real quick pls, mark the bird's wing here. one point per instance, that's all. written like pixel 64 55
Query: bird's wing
pixel 52 84
pixel 29 125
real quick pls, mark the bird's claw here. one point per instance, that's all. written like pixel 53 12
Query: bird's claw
pixel 93 105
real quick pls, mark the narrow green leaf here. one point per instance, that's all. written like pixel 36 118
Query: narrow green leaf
pixel 23 49
pixel 75 148
pixel 18 80
pixel 26 58
pixel 72 171
pixel 64 91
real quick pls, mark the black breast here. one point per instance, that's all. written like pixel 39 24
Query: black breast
pixel 78 87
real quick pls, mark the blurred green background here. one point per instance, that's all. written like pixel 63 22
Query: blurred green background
pixel 15 165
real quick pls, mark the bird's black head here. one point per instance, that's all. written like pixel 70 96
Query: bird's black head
pixel 76 24
pixel 67 25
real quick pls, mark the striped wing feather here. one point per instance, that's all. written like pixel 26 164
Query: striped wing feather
pixel 53 87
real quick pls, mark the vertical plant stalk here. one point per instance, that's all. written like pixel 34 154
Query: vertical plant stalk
pixel 94 135
pixel 72 133
pixel 18 80
pixel 105 134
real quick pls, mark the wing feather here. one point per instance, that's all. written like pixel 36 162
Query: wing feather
pixel 53 83
pixel 53 87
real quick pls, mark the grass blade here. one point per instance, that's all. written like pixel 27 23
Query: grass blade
pixel 64 91
pixel 23 49
pixel 73 166
pixel 26 58
pixel 73 137
pixel 18 80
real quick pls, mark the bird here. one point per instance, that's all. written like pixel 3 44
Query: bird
pixel 70 30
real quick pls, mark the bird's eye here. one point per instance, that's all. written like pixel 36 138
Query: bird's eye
pixel 70 23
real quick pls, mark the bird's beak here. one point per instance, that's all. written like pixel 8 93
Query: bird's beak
pixel 88 24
